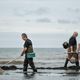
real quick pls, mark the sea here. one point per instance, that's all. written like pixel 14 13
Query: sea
pixel 43 55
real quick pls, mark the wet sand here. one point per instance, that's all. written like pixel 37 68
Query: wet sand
pixel 46 71
pixel 41 75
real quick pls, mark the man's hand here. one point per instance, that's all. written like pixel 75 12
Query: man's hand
pixel 23 52
pixel 72 51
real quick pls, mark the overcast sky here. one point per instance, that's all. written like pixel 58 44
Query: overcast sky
pixel 39 17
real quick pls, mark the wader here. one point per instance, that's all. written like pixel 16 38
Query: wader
pixel 70 55
pixel 29 61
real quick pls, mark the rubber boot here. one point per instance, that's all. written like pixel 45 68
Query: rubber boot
pixel 66 62
pixel 77 64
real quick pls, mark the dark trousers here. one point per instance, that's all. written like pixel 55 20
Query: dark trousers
pixel 67 60
pixel 30 62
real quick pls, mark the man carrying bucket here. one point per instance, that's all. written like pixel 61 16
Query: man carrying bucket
pixel 72 50
pixel 29 54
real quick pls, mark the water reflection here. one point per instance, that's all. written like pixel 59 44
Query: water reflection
pixel 29 76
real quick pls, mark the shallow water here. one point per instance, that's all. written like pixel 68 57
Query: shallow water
pixel 41 75
pixel 44 58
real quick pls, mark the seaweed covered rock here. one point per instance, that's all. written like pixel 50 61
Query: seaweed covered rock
pixel 9 67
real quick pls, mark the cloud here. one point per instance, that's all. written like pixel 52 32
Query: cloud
pixel 77 10
pixel 44 20
pixel 26 11
pixel 42 10
pixel 64 21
